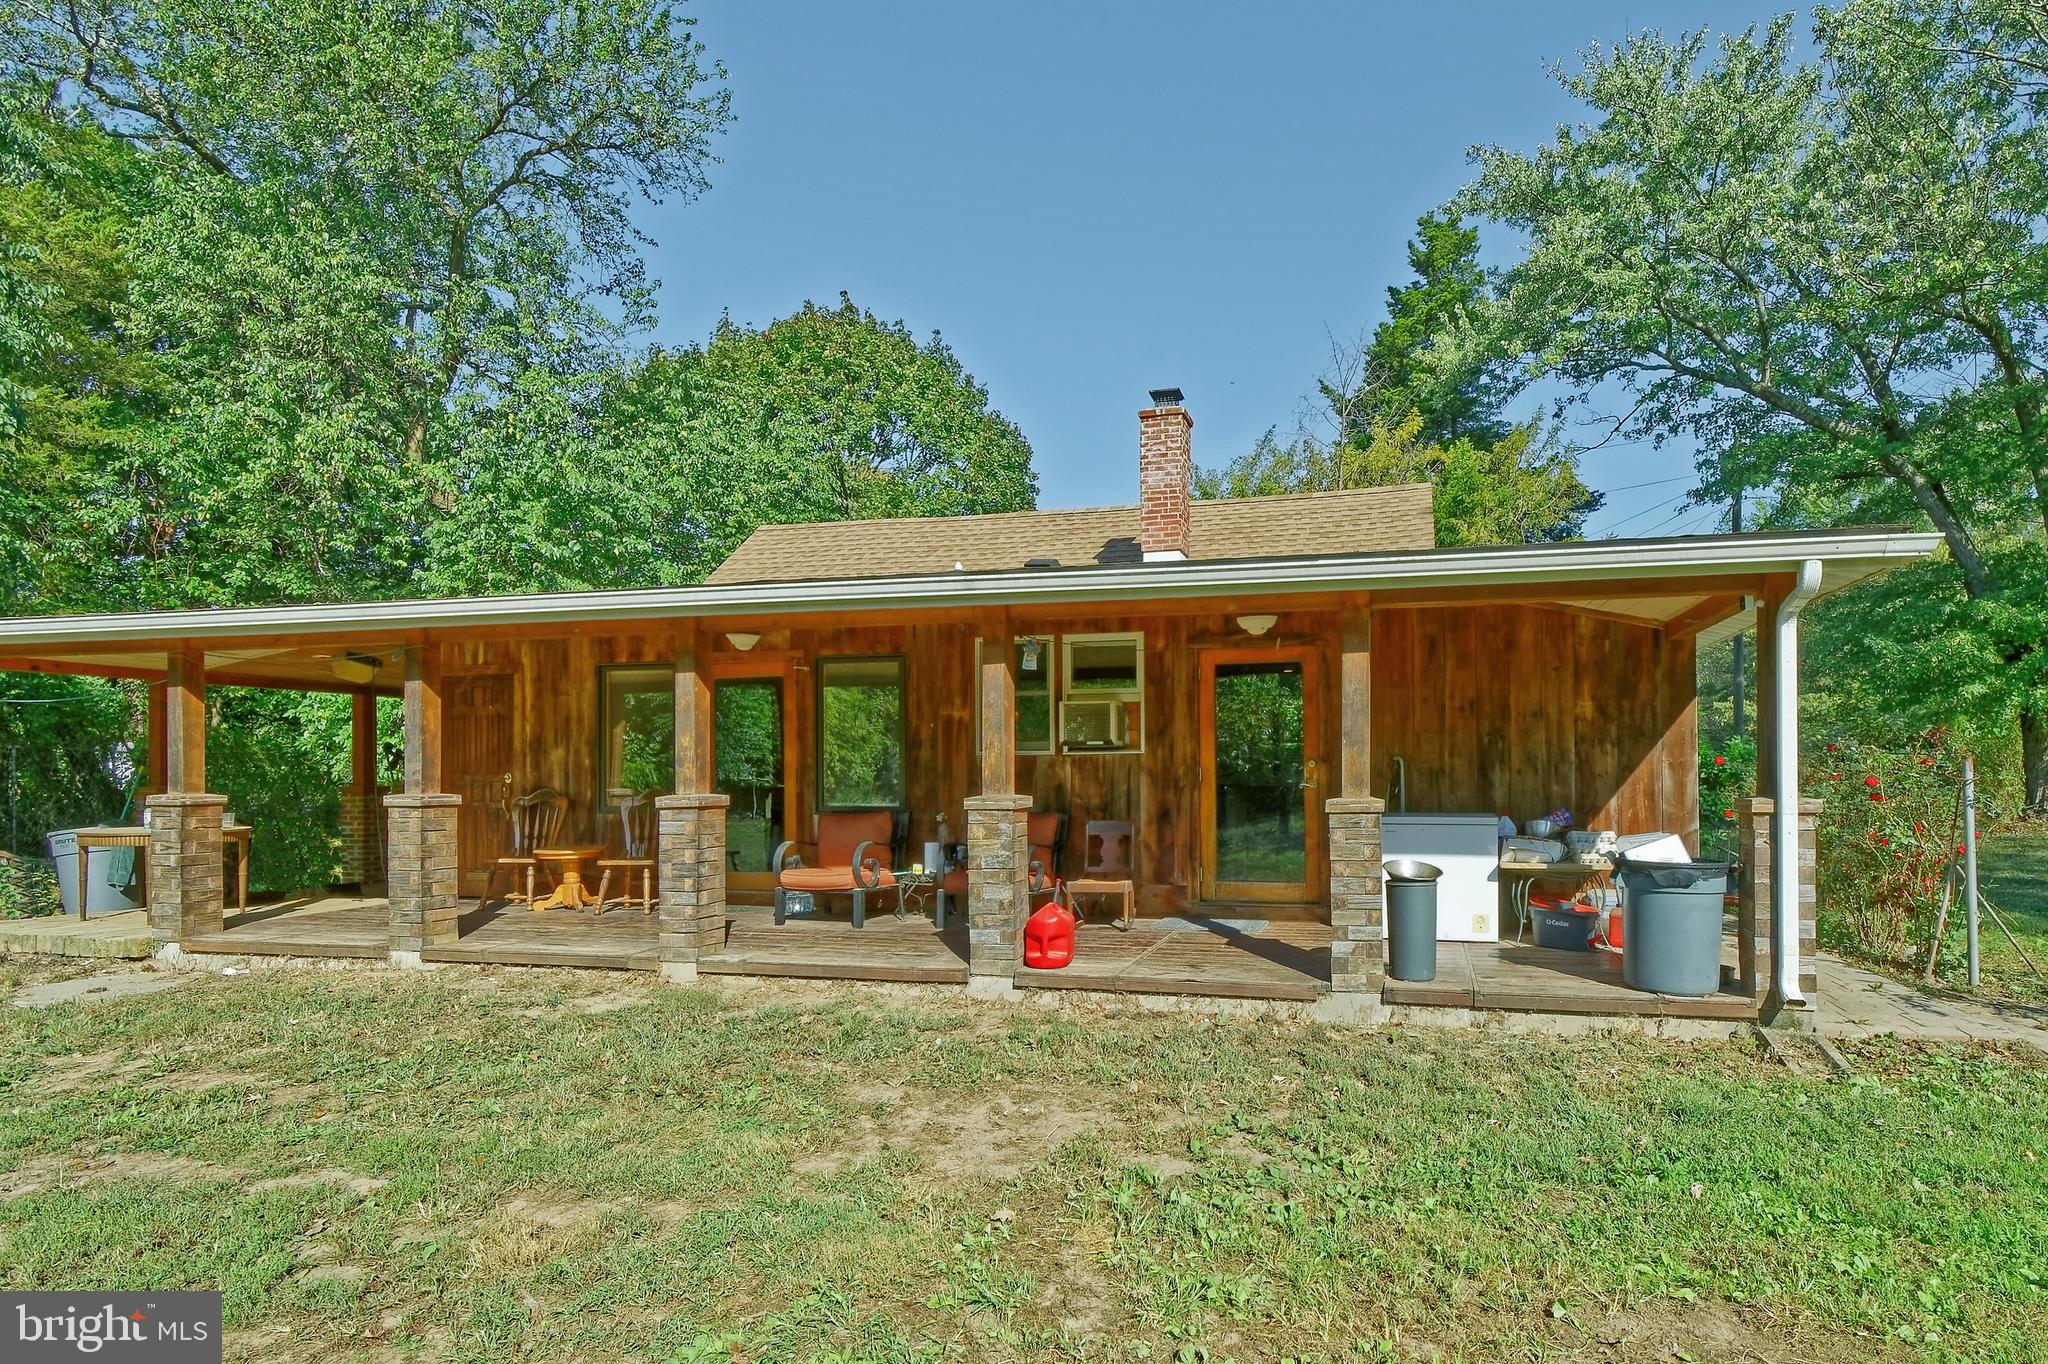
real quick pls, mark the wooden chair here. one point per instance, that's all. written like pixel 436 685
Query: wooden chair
pixel 1106 868
pixel 856 855
pixel 532 821
pixel 636 842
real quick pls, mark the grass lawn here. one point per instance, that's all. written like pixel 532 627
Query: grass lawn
pixel 2013 870
pixel 554 1165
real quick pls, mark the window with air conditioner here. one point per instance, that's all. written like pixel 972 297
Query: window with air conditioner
pixel 1102 694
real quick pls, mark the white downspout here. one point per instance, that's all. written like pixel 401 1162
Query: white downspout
pixel 1785 796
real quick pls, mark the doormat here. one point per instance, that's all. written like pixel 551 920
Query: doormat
pixel 1178 924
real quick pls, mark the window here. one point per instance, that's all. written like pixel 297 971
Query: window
pixel 1032 665
pixel 1102 709
pixel 637 730
pixel 860 733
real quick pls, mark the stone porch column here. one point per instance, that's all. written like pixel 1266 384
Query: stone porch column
pixel 1758 896
pixel 998 866
pixel 423 882
pixel 691 861
pixel 360 858
pixel 187 875
pixel 1357 894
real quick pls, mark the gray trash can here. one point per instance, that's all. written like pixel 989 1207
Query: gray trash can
pixel 1671 925
pixel 103 897
pixel 1411 919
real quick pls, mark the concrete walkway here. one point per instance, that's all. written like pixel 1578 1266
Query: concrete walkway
pixel 1855 1003
pixel 122 934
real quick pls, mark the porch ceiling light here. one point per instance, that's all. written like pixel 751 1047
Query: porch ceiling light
pixel 742 640
pixel 1256 625
pixel 359 669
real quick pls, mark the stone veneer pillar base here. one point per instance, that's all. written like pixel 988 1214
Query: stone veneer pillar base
pixel 187 879
pixel 423 881
pixel 998 865
pixel 1754 969
pixel 1357 894
pixel 690 857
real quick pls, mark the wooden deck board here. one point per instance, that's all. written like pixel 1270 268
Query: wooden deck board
pixel 885 949
pixel 1519 978
pixel 513 935
pixel 1281 961
pixel 337 927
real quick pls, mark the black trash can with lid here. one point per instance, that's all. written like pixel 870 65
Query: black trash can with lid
pixel 1671 925
pixel 1411 919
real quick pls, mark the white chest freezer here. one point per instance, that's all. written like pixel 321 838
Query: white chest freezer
pixel 1467 848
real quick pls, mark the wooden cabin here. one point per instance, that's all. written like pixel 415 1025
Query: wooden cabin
pixel 1259 688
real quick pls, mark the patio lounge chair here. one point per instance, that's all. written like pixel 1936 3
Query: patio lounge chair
pixel 856 856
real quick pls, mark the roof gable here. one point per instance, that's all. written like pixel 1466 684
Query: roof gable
pixel 1353 521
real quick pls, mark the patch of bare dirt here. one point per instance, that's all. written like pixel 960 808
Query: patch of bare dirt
pixel 998 1136
pixel 363 1185
pixel 91 1070
pixel 46 1172
pixel 1718 1333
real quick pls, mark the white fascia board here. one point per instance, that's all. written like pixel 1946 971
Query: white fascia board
pixel 1567 564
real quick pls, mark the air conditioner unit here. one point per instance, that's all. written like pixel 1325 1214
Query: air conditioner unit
pixel 1094 723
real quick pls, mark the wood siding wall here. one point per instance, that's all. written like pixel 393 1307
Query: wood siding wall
pixel 1492 708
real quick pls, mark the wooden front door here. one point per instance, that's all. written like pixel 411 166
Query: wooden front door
pixel 1262 837
pixel 476 720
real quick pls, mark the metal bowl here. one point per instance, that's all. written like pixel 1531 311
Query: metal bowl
pixel 1541 828
pixel 1408 869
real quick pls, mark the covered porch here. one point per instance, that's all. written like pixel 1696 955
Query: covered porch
pixel 1248 727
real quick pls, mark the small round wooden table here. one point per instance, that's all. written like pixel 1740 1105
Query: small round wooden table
pixel 569 892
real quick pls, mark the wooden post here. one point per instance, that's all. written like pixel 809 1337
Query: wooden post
pixel 156 736
pixel 185 722
pixel 362 741
pixel 998 690
pixel 1355 698
pixel 694 760
pixel 423 719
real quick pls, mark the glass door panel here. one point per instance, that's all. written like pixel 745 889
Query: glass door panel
pixel 1259 808
pixel 747 744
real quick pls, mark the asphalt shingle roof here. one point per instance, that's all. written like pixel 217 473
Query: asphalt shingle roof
pixel 1354 521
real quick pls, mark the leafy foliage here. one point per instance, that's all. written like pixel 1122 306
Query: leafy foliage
pixel 1421 403
pixel 1832 273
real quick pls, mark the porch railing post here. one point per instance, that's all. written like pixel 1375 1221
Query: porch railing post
pixel 187 879
pixel 423 879
pixel 690 846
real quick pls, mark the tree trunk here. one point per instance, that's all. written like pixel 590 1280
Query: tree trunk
pixel 2034 756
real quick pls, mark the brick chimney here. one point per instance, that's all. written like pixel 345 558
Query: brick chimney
pixel 1166 476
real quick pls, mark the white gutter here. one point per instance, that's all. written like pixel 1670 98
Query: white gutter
pixel 1785 797
pixel 1586 562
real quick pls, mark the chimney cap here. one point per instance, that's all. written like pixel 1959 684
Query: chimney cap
pixel 1167 397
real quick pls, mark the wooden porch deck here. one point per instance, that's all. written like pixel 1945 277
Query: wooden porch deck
pixel 887 948
pixel 1522 978
pixel 1231 958
pixel 330 926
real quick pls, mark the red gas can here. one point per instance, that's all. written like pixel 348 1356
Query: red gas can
pixel 1049 937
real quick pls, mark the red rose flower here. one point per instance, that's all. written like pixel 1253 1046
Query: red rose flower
pixel 1870 781
pixel 1727 814
pixel 1877 797
pixel 1720 761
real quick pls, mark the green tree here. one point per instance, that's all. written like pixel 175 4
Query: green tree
pixel 1421 403
pixel 1834 272
pixel 1414 362
pixel 829 414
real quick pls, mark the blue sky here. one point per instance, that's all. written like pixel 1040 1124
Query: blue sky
pixel 1090 200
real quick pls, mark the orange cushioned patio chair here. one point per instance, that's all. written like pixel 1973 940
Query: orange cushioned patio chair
pixel 856 856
